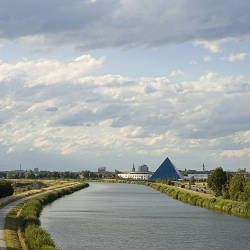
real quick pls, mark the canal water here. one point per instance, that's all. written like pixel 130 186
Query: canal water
pixel 116 216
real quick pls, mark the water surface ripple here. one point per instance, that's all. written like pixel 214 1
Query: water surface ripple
pixel 121 216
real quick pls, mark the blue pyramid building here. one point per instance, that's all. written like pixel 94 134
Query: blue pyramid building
pixel 166 171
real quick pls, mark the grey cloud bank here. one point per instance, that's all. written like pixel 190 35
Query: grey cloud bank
pixel 61 111
pixel 125 23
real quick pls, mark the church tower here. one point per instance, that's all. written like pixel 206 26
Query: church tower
pixel 133 169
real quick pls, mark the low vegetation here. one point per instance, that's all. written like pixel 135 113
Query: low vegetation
pixel 231 207
pixel 6 189
pixel 18 194
pixel 28 220
pixel 219 204
pixel 231 187
pixel 11 228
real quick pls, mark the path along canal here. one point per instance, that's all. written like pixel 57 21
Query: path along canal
pixel 125 216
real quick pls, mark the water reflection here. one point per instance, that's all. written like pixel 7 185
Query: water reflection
pixel 122 216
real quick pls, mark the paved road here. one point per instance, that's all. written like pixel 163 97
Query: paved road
pixel 5 210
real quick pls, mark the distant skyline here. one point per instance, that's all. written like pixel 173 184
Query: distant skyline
pixel 90 83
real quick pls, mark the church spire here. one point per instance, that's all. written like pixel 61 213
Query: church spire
pixel 133 169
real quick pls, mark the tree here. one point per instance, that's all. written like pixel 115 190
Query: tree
pixel 216 180
pixel 5 189
pixel 246 194
pixel 192 181
pixel 29 175
pixel 237 185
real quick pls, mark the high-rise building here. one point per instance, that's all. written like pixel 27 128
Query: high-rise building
pixel 102 170
pixel 143 168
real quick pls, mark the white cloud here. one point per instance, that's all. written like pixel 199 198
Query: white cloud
pixel 235 153
pixel 49 71
pixel 214 45
pixel 236 57
pixel 207 58
pixel 59 108
pixel 176 73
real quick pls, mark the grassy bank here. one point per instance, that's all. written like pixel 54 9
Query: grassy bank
pixel 241 209
pixel 117 181
pixel 11 228
pixel 26 217
pixel 235 208
pixel 51 185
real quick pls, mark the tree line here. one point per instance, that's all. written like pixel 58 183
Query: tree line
pixel 57 175
pixel 235 187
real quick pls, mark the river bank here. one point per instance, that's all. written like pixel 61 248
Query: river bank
pixel 23 224
pixel 111 216
pixel 234 208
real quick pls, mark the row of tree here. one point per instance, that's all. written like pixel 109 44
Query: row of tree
pixel 6 189
pixel 40 175
pixel 57 175
pixel 235 187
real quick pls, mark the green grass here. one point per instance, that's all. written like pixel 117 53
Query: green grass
pixel 241 209
pixel 26 217
pixel 36 237
pixel 235 208
pixel 11 228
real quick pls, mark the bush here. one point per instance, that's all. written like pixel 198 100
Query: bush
pixel 36 237
pixel 218 204
pixel 5 189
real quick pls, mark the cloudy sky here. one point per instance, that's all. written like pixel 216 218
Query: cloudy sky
pixel 90 83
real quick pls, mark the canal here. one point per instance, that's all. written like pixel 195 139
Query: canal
pixel 116 216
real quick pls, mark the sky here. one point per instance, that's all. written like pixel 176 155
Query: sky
pixel 91 83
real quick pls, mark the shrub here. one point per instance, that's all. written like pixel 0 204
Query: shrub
pixel 216 180
pixel 5 189
pixel 225 206
pixel 36 237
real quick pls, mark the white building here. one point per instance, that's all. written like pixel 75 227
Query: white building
pixel 136 175
pixel 198 177
pixel 142 174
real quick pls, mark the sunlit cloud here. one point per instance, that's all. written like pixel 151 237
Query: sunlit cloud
pixel 236 57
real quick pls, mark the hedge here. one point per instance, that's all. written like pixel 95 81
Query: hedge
pixel 241 209
pixel 235 208
pixel 36 237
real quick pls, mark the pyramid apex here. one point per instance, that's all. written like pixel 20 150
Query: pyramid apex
pixel 166 171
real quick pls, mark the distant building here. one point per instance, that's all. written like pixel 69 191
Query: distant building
pixel 143 168
pixel 102 170
pixel 143 173
pixel 36 170
pixel 133 169
pixel 198 177
pixel 166 171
